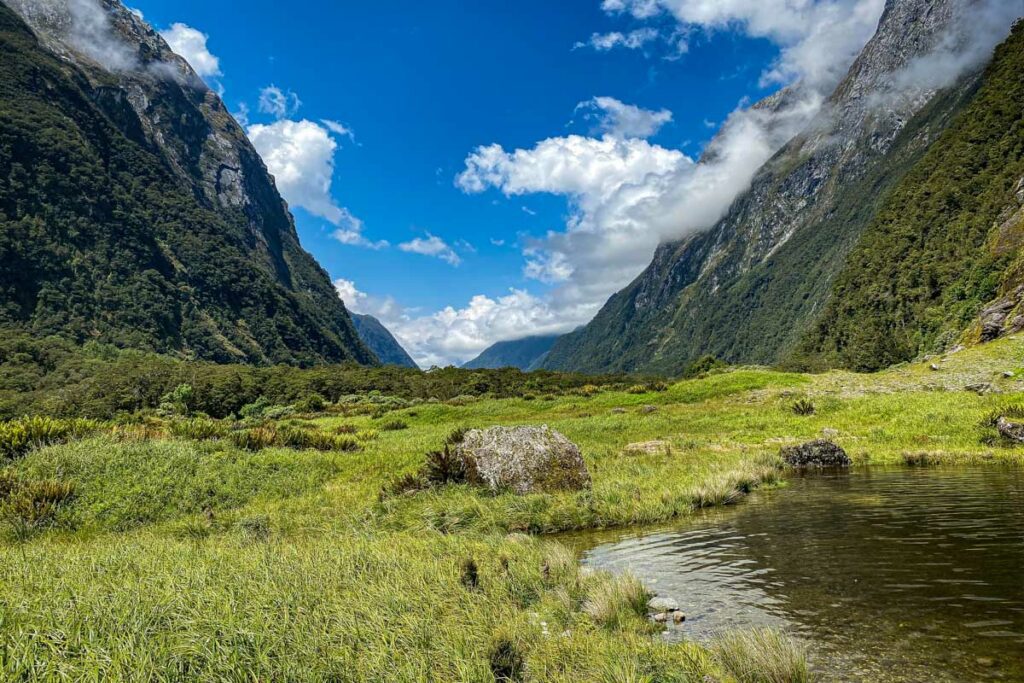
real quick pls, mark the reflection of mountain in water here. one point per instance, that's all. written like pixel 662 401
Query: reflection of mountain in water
pixel 900 575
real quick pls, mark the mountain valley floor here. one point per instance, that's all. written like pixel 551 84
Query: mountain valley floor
pixel 297 543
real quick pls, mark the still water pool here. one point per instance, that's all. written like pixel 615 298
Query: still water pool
pixel 887 574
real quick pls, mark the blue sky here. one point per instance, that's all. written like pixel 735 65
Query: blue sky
pixel 485 245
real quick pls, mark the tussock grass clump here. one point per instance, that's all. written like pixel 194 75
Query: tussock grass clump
pixel 255 439
pixel 444 467
pixel 393 426
pixel 588 390
pixel 198 428
pixel 616 601
pixel 29 505
pixel 762 656
pixel 803 407
pixel 345 429
pixel 469 574
pixel 258 438
pixel 637 389
pixel 17 437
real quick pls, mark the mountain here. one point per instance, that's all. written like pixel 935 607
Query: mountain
pixel 945 245
pixel 526 354
pixel 133 209
pixel 751 289
pixel 380 340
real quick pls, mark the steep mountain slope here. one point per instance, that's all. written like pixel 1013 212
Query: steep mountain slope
pixel 134 211
pixel 943 241
pixel 526 354
pixel 380 340
pixel 749 288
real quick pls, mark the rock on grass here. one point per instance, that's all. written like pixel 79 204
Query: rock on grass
pixel 523 460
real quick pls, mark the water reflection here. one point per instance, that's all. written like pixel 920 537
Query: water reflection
pixel 891 574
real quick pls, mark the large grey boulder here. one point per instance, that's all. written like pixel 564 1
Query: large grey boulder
pixel 522 460
pixel 819 453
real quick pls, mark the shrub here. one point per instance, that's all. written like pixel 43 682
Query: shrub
pixel 345 429
pixel 588 390
pixel 803 407
pixel 637 389
pixel 178 401
pixel 314 403
pixel 393 426
pixel 254 410
pixel 19 436
pixel 762 656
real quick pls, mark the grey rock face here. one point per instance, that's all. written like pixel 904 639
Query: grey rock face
pixel 819 453
pixel 523 460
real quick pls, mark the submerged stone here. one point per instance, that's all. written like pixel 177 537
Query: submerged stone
pixel 819 453
pixel 523 460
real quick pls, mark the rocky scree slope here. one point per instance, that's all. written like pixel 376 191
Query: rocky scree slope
pixel 748 289
pixel 133 209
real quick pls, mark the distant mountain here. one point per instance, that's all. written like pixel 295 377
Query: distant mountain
pixel 861 239
pixel 380 340
pixel 525 354
pixel 133 209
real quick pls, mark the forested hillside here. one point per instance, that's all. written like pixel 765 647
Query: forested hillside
pixel 941 245
pixel 133 211
pixel 380 340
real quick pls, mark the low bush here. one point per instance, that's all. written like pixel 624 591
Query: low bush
pixel 637 389
pixel 255 439
pixel 393 426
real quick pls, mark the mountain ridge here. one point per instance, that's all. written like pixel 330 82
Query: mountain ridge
pixel 525 354
pixel 747 289
pixel 136 211
pixel 379 339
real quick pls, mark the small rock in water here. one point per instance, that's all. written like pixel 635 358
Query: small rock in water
pixel 678 617
pixel 661 617
pixel 819 453
pixel 663 605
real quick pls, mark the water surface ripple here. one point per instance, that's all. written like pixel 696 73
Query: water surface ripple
pixel 890 574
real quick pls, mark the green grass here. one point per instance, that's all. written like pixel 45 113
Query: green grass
pixel 183 559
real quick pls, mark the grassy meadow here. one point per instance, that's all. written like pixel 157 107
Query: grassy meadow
pixel 278 547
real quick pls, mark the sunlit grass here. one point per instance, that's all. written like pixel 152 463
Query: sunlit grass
pixel 181 556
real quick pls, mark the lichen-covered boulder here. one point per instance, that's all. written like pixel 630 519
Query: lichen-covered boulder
pixel 522 460
pixel 819 453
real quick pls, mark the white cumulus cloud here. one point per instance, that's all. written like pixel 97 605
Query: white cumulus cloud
pixel 623 120
pixel 277 102
pixel 300 156
pixel 818 39
pixel 190 44
pixel 432 245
